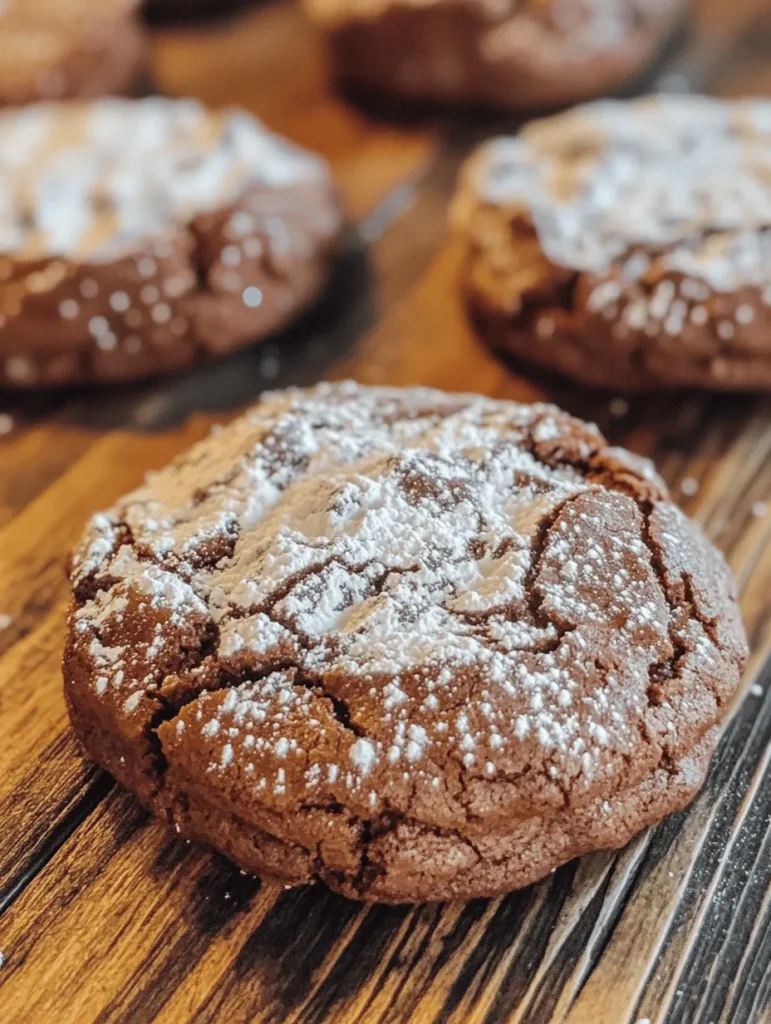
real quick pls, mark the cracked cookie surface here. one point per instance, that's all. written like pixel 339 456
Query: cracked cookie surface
pixel 627 244
pixel 138 237
pixel 412 644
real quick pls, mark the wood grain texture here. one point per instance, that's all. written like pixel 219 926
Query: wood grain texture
pixel 106 917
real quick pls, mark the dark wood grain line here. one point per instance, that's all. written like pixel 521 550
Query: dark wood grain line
pixel 747 984
pixel 752 994
pixel 523 918
pixel 166 963
pixel 741 875
pixel 561 985
pixel 42 849
pixel 37 840
pixel 503 970
pixel 29 462
pixel 368 952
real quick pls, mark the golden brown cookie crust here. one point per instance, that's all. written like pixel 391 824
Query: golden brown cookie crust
pixel 414 645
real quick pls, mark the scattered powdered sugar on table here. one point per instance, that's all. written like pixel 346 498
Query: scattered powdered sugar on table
pixel 390 580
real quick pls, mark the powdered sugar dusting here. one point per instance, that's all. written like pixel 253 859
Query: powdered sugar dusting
pixel 391 581
pixel 72 186
pixel 613 179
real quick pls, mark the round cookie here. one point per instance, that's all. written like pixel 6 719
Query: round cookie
pixel 414 645
pixel 627 245
pixel 509 53
pixel 141 236
pixel 68 49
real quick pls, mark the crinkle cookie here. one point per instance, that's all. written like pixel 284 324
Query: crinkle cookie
pixel 627 245
pixel 414 645
pixel 67 49
pixel 142 236
pixel 509 53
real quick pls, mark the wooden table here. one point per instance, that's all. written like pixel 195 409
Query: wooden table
pixel 106 917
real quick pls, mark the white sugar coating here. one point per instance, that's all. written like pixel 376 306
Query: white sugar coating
pixel 683 174
pixel 363 755
pixel 5 622
pixel 395 540
pixel 90 181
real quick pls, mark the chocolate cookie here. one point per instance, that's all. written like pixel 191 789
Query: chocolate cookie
pixel 414 645
pixel 143 236
pixel 67 49
pixel 627 245
pixel 510 53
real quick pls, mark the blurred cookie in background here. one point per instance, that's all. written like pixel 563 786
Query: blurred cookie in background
pixel 627 245
pixel 140 236
pixel 510 53
pixel 178 10
pixel 65 49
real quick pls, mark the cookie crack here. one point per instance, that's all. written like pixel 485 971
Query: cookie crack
pixel 532 597
pixel 340 708
pixel 375 829
pixel 89 585
pixel 669 668
pixel 709 625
